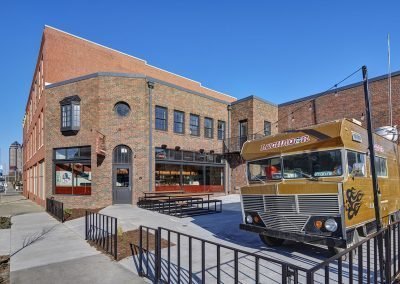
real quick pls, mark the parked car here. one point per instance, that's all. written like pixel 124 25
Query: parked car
pixel 2 187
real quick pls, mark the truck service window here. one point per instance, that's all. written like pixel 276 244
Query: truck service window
pixel 266 169
pixel 313 165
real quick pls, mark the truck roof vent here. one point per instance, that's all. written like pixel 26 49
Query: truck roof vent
pixel 389 132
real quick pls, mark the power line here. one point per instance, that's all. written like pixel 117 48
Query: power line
pixel 308 101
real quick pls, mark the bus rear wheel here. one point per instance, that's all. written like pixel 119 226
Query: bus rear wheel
pixel 271 241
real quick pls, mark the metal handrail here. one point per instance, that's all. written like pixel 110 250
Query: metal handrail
pixel 237 249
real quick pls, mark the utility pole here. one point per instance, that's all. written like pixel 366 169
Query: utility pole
pixel 376 190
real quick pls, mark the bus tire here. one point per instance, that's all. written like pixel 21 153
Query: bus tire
pixel 271 241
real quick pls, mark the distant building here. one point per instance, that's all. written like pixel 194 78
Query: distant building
pixel 15 159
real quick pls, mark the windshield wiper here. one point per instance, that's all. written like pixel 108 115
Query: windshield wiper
pixel 307 175
pixel 257 178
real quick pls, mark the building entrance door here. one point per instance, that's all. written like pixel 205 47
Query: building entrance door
pixel 122 175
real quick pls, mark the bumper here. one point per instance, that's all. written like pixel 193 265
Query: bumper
pixel 313 239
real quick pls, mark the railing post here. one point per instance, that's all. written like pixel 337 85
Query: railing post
pixel 157 261
pixel 140 251
pixel 388 264
pixel 86 225
pixel 62 212
pixel 284 273
pixel 115 237
pixel 310 278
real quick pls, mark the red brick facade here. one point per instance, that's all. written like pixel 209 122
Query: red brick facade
pixel 70 66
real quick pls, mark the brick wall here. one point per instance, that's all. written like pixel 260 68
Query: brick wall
pixel 347 103
pixel 256 111
pixel 98 97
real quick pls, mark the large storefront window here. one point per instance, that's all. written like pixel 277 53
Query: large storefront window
pixel 73 173
pixel 193 175
pixel 168 176
pixel 188 171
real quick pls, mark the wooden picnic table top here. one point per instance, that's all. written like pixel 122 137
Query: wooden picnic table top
pixel 176 198
pixel 191 194
pixel 163 192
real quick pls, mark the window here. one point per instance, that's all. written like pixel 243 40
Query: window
pixel 188 156
pixel 266 169
pixel 242 132
pixel 72 169
pixel 179 121
pixel 122 109
pixel 70 115
pixel 122 177
pixel 168 176
pixel 221 130
pixel 313 165
pixel 215 176
pixel 161 118
pixel 41 129
pixel 194 125
pixel 267 128
pixel 41 179
pixel 192 175
pixel 356 163
pixel 208 127
pixel 122 155
pixel 381 167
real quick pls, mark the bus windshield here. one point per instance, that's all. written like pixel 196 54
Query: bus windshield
pixel 307 165
pixel 266 169
pixel 313 165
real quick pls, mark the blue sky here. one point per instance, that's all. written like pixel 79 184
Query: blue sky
pixel 278 50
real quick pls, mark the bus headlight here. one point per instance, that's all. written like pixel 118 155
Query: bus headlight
pixel 249 219
pixel 331 225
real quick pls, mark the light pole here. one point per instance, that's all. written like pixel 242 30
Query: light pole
pixel 375 186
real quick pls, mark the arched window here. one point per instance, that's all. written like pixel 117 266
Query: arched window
pixel 122 155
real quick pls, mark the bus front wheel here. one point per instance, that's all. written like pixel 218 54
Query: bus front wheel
pixel 271 241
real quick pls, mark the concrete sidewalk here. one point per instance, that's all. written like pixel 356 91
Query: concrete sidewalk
pixel 44 250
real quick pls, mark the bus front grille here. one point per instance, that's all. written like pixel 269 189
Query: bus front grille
pixel 290 212
pixel 319 204
pixel 291 223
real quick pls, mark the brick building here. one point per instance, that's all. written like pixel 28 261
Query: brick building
pixel 102 126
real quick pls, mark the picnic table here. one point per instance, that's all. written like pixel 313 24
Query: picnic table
pixel 157 193
pixel 173 201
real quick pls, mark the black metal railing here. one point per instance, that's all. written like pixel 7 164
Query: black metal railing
pixel 55 208
pixel 102 230
pixel 182 258
pixel 234 144
pixel 360 263
pixel 175 257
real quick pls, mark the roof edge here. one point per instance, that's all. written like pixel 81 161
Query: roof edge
pixel 132 75
pixel 252 97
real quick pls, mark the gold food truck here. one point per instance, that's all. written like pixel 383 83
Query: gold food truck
pixel 314 184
